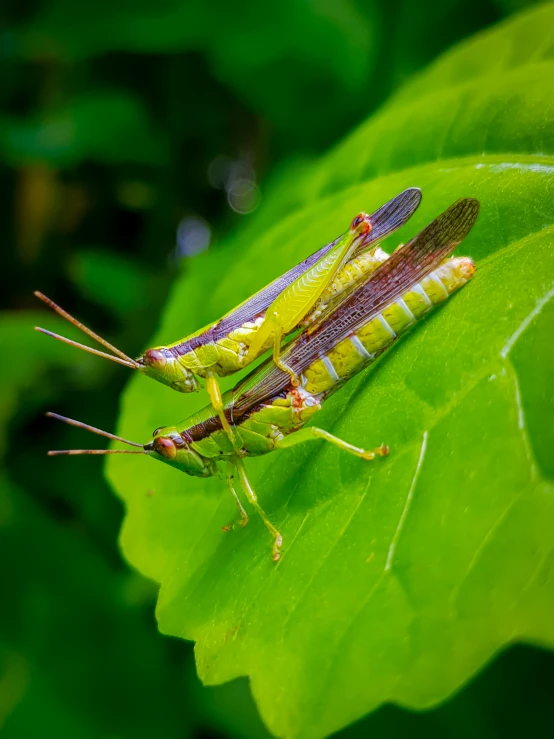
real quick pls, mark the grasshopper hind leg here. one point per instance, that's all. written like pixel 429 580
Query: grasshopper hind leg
pixel 313 433
pixel 279 362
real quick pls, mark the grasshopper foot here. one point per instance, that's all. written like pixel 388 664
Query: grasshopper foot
pixel 380 451
pixel 243 521
pixel 276 550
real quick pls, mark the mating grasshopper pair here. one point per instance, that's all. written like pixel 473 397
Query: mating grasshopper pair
pixel 289 302
pixel 362 301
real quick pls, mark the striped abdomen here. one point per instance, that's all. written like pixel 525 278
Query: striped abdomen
pixel 363 347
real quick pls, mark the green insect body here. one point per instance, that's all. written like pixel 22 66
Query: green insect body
pixel 229 354
pixel 196 447
pixel 179 363
pixel 262 431
pixel 269 411
pixel 243 334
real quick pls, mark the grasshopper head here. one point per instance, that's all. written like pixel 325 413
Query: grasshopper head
pixel 169 446
pixel 161 364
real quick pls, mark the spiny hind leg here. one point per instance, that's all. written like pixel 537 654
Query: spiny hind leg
pixel 230 475
pixel 312 433
pixel 279 362
pixel 214 391
pixel 253 499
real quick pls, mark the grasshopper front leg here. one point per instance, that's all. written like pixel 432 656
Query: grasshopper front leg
pixel 230 475
pixel 214 391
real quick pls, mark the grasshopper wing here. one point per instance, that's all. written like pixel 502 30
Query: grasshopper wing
pixel 406 267
pixel 390 217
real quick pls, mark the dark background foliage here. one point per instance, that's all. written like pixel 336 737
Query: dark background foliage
pixel 132 135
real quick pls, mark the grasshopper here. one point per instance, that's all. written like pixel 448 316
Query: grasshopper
pixel 242 335
pixel 268 411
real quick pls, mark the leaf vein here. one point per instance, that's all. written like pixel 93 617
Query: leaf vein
pixel 325 558
pixel 482 547
pixel 403 516
pixel 521 424
pixel 541 302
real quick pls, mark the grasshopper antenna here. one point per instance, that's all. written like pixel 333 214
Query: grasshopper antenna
pixel 81 425
pixel 120 357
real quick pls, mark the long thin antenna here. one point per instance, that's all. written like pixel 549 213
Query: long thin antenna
pixel 86 348
pixel 89 332
pixel 81 425
pixel 58 452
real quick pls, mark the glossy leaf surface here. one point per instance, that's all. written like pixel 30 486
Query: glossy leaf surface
pixel 401 578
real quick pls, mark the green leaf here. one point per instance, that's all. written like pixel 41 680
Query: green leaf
pixel 400 578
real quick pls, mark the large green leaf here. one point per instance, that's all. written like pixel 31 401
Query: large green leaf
pixel 399 579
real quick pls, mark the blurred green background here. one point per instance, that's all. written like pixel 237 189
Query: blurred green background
pixel 134 135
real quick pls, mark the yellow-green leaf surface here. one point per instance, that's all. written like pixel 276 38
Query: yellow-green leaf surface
pixel 400 578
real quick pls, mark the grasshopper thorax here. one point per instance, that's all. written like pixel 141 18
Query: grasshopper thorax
pixel 169 446
pixel 162 365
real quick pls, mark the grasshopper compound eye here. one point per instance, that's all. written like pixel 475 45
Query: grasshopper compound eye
pixel 154 358
pixel 165 447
